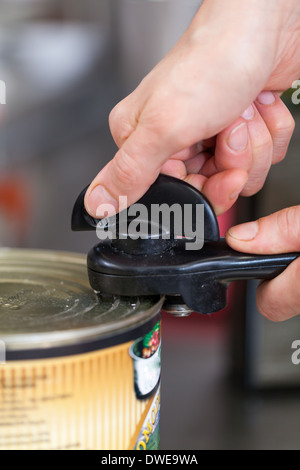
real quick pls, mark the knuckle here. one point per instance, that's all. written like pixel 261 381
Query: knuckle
pixel 263 144
pixel 267 303
pixel 161 123
pixel 283 132
pixel 113 115
pixel 126 170
pixel 288 220
pixel 253 185
pixel 119 123
pixel 296 270
pixel 285 127
pixel 279 154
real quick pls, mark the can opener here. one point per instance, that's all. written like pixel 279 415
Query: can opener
pixel 191 280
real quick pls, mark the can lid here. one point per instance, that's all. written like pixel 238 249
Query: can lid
pixel 46 301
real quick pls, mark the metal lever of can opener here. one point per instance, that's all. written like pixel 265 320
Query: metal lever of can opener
pixel 192 280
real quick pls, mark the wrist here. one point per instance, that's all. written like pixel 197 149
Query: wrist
pixel 276 12
pixel 248 15
pixel 251 34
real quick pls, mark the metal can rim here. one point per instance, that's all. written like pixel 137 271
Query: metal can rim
pixel 81 338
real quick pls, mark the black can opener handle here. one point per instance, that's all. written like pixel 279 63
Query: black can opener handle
pixel 168 264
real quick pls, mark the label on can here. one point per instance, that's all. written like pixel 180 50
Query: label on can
pixel 101 400
pixel 148 438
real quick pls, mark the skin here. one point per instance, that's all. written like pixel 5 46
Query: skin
pixel 210 112
pixel 278 299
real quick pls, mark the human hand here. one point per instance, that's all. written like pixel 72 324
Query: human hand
pixel 278 299
pixel 187 117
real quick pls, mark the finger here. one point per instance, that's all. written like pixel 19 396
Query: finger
pixel 123 120
pixel 175 168
pixel 221 189
pixel 189 152
pixel 246 144
pixel 180 169
pixel 195 165
pixel 276 233
pixel 279 121
pixel 232 150
pixel 130 173
pixel 279 299
pixel 262 153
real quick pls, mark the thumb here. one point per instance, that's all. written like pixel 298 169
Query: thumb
pixel 276 233
pixel 127 176
pixel 278 299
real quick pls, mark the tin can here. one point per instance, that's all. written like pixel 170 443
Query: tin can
pixel 77 370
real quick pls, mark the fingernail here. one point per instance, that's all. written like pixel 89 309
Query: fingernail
pixel 266 97
pixel 244 232
pixel 100 203
pixel 238 138
pixel 249 113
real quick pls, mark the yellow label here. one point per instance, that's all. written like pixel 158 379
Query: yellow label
pixel 86 401
pixel 148 437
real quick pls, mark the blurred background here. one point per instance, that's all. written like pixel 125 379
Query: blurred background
pixel 228 381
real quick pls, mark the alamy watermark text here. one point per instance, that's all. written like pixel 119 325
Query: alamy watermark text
pixel 157 221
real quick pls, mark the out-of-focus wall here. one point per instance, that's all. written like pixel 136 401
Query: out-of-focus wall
pixel 58 60
pixel 147 30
